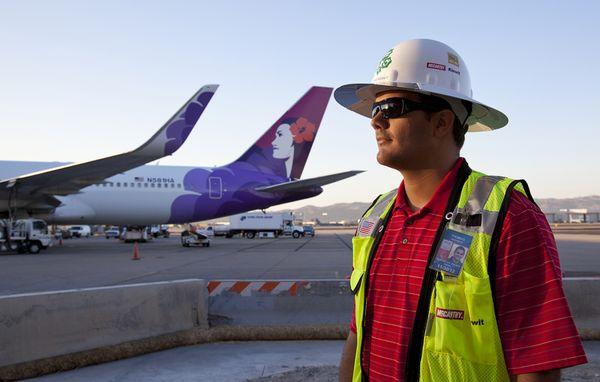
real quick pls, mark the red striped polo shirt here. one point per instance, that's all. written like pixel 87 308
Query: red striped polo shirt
pixel 536 327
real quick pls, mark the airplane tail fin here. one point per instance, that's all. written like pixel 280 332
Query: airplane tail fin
pixel 284 147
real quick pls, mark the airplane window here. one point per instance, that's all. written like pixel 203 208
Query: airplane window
pixel 110 184
pixel 139 185
pixel 172 185
pixel 158 185
pixel 124 184
pixel 146 185
pixel 152 185
pixel 178 185
pixel 118 184
pixel 132 184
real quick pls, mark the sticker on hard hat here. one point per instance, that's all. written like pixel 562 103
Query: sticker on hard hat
pixel 385 61
pixel 433 65
pixel 453 71
pixel 453 59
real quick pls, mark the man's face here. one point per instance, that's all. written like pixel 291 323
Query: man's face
pixel 459 253
pixel 403 142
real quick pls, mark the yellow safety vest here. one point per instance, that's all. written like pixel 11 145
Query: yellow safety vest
pixel 455 334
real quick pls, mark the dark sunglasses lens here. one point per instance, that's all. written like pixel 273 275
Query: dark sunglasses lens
pixel 388 110
pixel 375 110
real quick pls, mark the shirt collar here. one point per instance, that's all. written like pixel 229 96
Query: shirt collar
pixel 439 200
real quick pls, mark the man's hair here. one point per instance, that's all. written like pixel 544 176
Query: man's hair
pixel 459 129
pixel 458 132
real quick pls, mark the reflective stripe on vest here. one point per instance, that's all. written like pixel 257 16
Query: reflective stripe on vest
pixel 461 341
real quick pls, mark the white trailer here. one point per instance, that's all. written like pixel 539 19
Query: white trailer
pixel 251 224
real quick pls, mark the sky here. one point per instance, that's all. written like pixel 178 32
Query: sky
pixel 82 80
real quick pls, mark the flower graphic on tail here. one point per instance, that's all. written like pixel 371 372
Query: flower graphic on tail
pixel 303 130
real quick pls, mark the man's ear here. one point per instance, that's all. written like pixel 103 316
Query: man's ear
pixel 444 123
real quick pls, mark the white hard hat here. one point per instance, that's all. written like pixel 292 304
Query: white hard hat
pixel 427 67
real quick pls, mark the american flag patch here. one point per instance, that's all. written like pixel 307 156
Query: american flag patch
pixel 139 178
pixel 366 227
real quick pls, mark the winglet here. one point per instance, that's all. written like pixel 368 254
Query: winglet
pixel 303 184
pixel 171 136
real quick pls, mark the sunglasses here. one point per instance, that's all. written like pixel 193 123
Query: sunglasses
pixel 398 107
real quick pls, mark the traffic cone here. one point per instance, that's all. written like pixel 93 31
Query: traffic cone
pixel 136 252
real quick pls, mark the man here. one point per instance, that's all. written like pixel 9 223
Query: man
pixel 458 256
pixel 501 313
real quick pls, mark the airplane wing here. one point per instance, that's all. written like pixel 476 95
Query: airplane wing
pixel 40 187
pixel 303 184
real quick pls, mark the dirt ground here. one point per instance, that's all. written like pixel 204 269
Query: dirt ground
pixel 583 373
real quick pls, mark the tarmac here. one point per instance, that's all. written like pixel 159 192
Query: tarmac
pixel 272 361
pixel 97 262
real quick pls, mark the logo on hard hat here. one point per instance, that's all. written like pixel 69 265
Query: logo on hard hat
pixel 385 61
pixel 433 65
pixel 452 59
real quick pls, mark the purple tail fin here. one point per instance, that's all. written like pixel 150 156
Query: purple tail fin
pixel 284 148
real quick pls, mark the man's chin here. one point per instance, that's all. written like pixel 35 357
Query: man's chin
pixel 385 160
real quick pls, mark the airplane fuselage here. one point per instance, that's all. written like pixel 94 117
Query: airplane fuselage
pixel 154 194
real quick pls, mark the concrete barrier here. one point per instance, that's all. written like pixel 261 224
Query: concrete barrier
pixel 582 294
pixel 279 303
pixel 329 302
pixel 42 325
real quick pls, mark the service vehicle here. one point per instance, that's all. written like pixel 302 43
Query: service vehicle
pixel 80 231
pixel 136 233
pixel 112 232
pixel 24 235
pixel 309 230
pixel 251 224
pixel 194 238
pixel 161 230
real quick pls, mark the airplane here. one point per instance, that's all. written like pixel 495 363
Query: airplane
pixel 122 190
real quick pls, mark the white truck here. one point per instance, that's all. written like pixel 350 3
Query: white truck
pixel 251 224
pixel 24 235
pixel 80 230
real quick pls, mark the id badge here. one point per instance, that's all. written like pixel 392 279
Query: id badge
pixel 452 252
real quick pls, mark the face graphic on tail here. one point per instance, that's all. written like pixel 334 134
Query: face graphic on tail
pixel 283 144
pixel 288 136
pixel 283 149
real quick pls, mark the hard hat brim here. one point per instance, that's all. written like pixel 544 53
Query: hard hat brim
pixel 360 97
